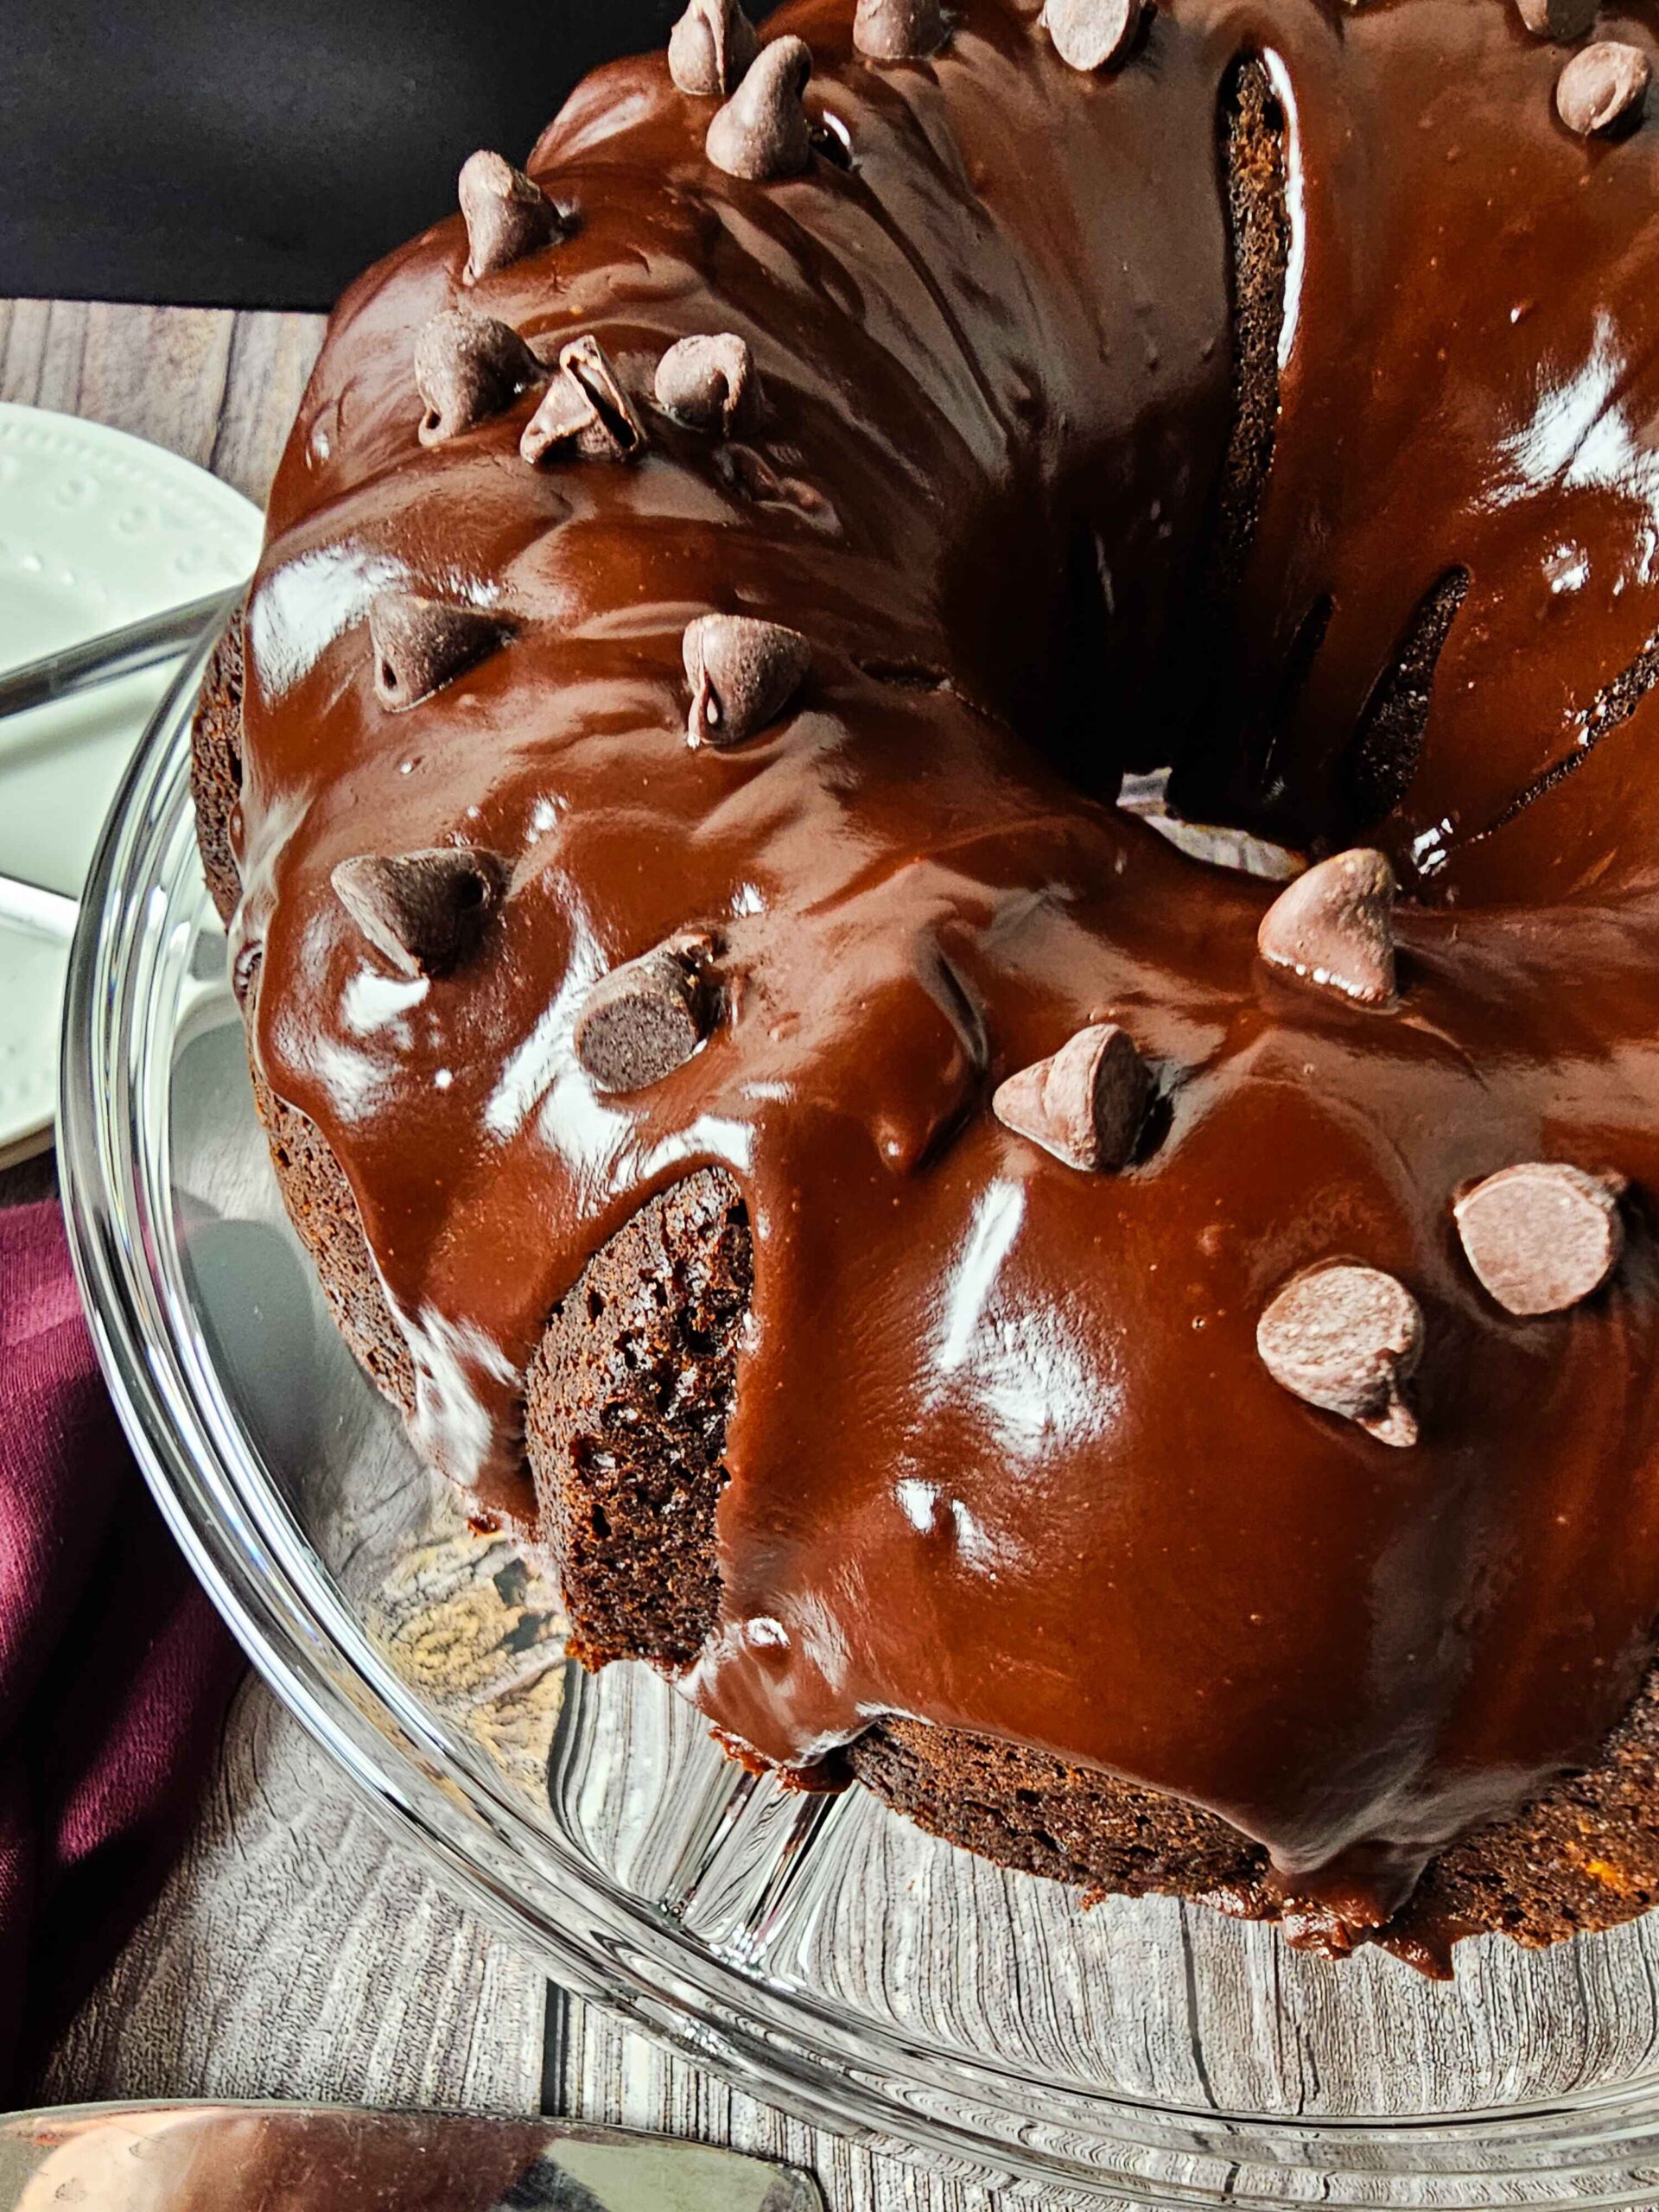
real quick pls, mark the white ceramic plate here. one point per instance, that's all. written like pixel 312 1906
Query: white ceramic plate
pixel 819 1951
pixel 96 529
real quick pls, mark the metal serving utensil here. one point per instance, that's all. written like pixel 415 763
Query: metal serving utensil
pixel 113 653
pixel 250 2158
pixel 43 914
pixel 102 659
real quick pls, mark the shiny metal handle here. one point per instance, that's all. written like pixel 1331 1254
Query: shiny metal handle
pixel 114 652
pixel 43 914
pixel 101 659
pixel 321 2159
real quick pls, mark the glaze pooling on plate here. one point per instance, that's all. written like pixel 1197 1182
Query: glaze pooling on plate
pixel 1005 1455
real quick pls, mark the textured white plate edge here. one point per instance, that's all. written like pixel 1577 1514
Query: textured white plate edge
pixel 206 502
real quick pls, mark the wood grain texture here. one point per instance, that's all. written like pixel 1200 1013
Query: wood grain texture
pixel 221 388
pixel 621 2078
pixel 297 1951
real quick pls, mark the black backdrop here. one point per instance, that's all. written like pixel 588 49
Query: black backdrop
pixel 261 152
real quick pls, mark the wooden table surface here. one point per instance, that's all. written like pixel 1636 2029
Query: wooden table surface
pixel 299 1950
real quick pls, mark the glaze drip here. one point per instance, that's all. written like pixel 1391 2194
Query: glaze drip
pixel 1004 1455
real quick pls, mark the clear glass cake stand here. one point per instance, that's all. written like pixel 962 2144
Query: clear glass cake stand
pixel 824 1954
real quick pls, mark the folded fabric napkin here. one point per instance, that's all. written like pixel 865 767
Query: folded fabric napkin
pixel 115 1671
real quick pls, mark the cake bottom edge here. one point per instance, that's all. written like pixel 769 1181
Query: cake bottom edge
pixel 626 1497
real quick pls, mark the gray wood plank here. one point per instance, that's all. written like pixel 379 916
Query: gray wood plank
pixel 297 1951
pixel 618 2078
pixel 220 389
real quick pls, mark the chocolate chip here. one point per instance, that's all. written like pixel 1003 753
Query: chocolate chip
pixel 566 421
pixel 710 384
pixel 1085 1103
pixel 467 368
pixel 710 48
pixel 1602 86
pixel 742 674
pixel 623 433
pixel 1334 927
pixel 420 645
pixel 585 408
pixel 763 131
pixel 1093 34
pixel 1346 1338
pixel 424 911
pixel 1542 1236
pixel 899 30
pixel 506 215
pixel 1561 20
pixel 646 1018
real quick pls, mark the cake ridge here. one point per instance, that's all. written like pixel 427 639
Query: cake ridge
pixel 1054 1431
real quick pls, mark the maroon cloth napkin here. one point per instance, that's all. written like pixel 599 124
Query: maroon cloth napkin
pixel 115 1670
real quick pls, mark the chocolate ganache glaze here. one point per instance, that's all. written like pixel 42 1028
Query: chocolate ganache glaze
pixel 1138 1366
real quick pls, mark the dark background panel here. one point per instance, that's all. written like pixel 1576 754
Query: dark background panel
pixel 259 153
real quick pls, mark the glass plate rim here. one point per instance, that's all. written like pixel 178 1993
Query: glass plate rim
pixel 613 1949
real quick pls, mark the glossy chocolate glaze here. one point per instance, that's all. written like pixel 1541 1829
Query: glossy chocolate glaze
pixel 1003 1454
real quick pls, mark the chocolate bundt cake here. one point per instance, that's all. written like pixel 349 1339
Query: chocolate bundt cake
pixel 1150 1369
